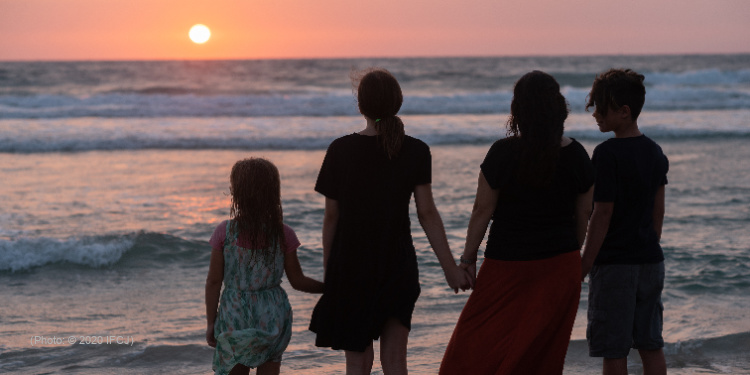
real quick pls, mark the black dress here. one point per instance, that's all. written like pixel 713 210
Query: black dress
pixel 372 272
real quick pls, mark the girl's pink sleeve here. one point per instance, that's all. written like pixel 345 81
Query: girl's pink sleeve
pixel 292 242
pixel 220 234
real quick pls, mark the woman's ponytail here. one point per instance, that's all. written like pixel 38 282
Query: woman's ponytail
pixel 391 135
pixel 379 98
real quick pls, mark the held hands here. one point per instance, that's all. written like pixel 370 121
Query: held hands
pixel 471 269
pixel 459 278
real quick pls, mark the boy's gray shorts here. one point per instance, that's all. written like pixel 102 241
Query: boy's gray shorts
pixel 625 309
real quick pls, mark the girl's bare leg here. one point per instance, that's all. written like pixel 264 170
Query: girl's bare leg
pixel 359 363
pixel 239 369
pixel 393 342
pixel 269 368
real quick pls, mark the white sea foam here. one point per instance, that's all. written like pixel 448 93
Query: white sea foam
pixel 322 89
pixel 661 97
pixel 307 133
pixel 26 253
pixel 702 77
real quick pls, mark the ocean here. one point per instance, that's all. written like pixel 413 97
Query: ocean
pixel 114 175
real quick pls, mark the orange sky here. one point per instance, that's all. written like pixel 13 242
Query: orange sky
pixel 249 29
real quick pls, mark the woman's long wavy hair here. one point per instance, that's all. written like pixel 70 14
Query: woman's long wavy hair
pixel 379 98
pixel 256 202
pixel 537 114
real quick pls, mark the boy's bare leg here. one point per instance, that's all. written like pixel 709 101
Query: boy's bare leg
pixel 393 344
pixel 359 363
pixel 615 366
pixel 653 362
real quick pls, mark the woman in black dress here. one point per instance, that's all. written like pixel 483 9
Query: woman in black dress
pixel 371 275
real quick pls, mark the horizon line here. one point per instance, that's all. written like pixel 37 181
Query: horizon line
pixel 488 56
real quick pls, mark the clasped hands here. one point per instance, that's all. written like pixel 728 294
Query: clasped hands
pixel 462 276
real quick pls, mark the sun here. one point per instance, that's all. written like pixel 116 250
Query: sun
pixel 199 34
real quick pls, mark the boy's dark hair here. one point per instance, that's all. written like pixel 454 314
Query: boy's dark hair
pixel 616 88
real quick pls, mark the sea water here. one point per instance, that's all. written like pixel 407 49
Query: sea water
pixel 114 175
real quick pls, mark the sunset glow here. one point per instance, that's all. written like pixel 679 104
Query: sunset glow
pixel 141 29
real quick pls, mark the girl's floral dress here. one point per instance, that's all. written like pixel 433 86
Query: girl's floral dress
pixel 254 321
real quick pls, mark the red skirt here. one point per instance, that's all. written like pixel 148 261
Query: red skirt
pixel 518 319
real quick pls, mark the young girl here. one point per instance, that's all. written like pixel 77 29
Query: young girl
pixel 371 275
pixel 250 254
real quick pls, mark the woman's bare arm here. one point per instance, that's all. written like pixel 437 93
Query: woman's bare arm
pixel 429 218
pixel 330 221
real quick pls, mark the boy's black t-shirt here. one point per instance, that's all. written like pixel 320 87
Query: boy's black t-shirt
pixel 529 223
pixel 629 171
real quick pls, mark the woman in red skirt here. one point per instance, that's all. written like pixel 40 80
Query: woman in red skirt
pixel 536 186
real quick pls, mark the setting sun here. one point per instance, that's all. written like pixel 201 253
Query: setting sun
pixel 199 33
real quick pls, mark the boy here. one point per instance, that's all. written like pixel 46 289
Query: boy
pixel 622 249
